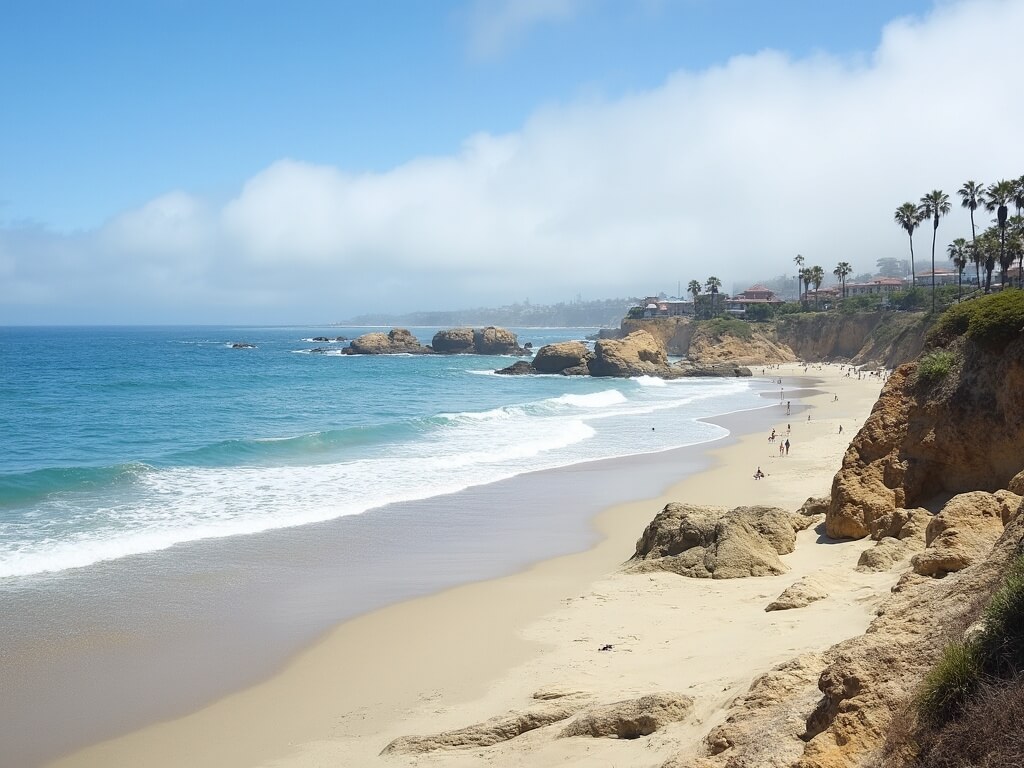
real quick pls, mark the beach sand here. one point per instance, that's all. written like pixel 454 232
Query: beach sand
pixel 467 654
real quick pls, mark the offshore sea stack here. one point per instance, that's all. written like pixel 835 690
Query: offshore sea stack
pixel 478 341
pixel 474 341
pixel 929 439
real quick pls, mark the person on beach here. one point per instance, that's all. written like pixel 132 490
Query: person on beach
pixel 759 474
pixel 840 429
pixel 782 449
pixel 786 444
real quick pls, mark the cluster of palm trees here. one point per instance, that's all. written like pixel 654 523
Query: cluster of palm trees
pixel 1002 241
pixel 815 275
pixel 711 286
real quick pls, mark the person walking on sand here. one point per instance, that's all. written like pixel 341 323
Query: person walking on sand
pixel 840 429
pixel 786 444
pixel 782 449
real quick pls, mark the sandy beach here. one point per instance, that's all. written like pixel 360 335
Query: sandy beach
pixel 473 652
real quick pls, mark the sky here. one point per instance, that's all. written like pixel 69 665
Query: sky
pixel 181 161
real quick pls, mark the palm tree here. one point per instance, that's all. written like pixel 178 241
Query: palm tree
pixel 934 205
pixel 988 249
pixel 909 216
pixel 841 271
pixel 712 285
pixel 693 288
pixel 803 278
pixel 1014 246
pixel 799 261
pixel 958 254
pixel 817 276
pixel 997 198
pixel 972 197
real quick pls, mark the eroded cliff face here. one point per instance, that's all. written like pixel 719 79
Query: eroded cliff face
pixel 882 338
pixel 683 337
pixel 886 338
pixel 925 442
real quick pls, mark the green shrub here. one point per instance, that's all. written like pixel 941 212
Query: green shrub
pixel 990 320
pixel 996 654
pixel 1001 644
pixel 950 684
pixel 727 326
pixel 935 366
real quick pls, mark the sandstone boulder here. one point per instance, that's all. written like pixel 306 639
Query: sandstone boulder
pixel 479 341
pixel 964 531
pixel 518 368
pixel 1016 484
pixel 496 341
pixel 631 719
pixel 798 595
pixel 639 354
pixel 710 542
pixel 453 341
pixel 555 358
pixel 396 342
pixel 493 731
pixel 887 553
pixel 815 505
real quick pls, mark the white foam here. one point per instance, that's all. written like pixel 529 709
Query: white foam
pixel 601 399
pixel 650 381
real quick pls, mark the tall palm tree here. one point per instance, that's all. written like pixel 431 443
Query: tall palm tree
pixel 1014 249
pixel 958 254
pixel 817 276
pixel 712 285
pixel 972 197
pixel 693 288
pixel 841 271
pixel 804 278
pixel 934 205
pixel 908 216
pixel 997 198
pixel 988 248
pixel 799 261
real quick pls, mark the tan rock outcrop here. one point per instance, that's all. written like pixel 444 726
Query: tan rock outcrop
pixel 639 354
pixel 632 718
pixel 493 731
pixel 710 542
pixel 397 341
pixel 923 441
pixel 964 530
pixel 479 341
pixel 888 553
pixel 555 358
pixel 815 505
pixel 798 595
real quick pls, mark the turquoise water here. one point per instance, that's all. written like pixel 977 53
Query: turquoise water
pixel 121 441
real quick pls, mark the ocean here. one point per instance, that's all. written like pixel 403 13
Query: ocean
pixel 178 515
pixel 120 441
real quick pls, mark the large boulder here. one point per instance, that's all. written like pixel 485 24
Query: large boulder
pixel 398 341
pixel 480 341
pixel 453 341
pixel 496 341
pixel 555 358
pixel 964 531
pixel 710 542
pixel 632 718
pixel 639 354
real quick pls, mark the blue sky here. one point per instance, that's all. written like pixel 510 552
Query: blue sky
pixel 349 144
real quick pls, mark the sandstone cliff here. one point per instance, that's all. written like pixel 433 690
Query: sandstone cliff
pixel 707 343
pixel 930 438
pixel 885 338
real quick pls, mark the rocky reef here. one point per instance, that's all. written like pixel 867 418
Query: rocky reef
pixel 638 354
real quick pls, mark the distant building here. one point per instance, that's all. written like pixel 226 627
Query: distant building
pixel 658 307
pixel 756 294
pixel 942 277
pixel 879 286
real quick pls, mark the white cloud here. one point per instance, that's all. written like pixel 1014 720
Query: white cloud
pixel 497 25
pixel 729 171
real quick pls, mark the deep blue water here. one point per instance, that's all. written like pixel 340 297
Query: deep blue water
pixel 118 441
